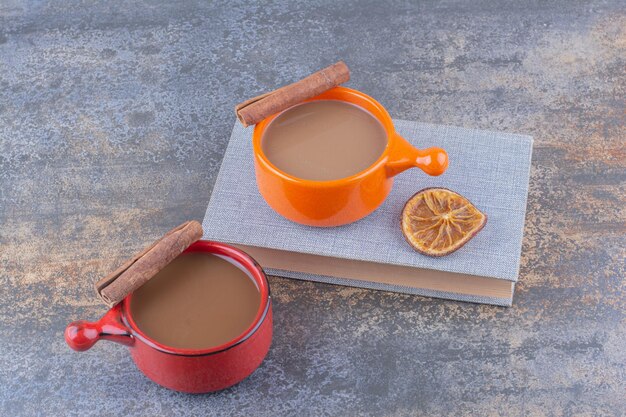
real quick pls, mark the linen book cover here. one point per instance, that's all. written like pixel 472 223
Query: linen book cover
pixel 491 169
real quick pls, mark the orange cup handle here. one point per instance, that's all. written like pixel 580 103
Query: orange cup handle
pixel 403 155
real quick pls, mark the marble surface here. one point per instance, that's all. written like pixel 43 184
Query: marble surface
pixel 113 120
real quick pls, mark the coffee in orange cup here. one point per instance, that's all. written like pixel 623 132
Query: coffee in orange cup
pixel 345 179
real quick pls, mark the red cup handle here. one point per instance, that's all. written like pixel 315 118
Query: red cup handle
pixel 82 335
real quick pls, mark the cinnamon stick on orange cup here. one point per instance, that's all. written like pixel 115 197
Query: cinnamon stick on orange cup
pixel 254 110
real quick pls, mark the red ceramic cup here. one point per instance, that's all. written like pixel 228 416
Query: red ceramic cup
pixel 186 370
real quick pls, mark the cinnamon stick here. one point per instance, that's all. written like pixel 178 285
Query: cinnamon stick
pixel 254 110
pixel 140 268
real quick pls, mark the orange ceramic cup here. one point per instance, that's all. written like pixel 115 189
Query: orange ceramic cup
pixel 345 200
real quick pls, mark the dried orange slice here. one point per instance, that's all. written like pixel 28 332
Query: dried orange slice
pixel 437 221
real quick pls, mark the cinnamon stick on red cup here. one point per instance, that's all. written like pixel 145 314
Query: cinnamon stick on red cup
pixel 140 268
pixel 254 110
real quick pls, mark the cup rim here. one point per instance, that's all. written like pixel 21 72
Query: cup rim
pixel 245 261
pixel 383 117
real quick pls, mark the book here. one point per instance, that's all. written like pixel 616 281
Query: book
pixel 491 169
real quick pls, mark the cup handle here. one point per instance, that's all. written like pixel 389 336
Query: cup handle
pixel 82 335
pixel 403 155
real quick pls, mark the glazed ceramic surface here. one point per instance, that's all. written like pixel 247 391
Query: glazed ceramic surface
pixel 193 371
pixel 345 200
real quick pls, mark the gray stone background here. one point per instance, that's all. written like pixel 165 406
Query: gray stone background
pixel 114 116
